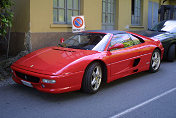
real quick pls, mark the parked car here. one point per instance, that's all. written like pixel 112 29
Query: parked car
pixel 86 60
pixel 165 31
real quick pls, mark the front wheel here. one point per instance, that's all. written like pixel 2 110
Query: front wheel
pixel 171 53
pixel 92 78
pixel 155 61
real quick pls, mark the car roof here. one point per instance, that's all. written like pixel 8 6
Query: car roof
pixel 106 31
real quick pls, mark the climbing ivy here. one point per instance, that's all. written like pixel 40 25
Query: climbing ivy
pixel 6 17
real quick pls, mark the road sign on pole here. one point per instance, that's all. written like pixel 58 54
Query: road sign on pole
pixel 78 24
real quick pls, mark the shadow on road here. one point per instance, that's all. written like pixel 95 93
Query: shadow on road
pixel 33 93
pixel 106 89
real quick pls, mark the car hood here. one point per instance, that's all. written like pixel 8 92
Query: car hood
pixel 51 60
pixel 157 35
pixel 149 33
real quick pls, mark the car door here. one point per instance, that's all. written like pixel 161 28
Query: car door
pixel 124 61
pixel 142 51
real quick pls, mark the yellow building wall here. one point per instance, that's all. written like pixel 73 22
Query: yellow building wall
pixel 92 11
pixel 124 15
pixel 172 2
pixel 37 15
pixel 144 18
pixel 21 16
pixel 165 3
pixel 41 16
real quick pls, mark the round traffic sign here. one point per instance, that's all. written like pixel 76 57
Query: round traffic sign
pixel 78 22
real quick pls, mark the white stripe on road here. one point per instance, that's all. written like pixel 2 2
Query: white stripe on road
pixel 142 104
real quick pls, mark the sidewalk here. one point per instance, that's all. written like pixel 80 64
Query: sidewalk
pixel 6 82
pixel 4 69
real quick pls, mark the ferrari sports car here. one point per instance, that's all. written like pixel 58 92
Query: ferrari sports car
pixel 86 60
pixel 165 31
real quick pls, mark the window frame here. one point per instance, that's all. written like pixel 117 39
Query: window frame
pixel 66 9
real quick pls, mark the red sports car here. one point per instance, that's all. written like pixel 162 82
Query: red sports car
pixel 87 59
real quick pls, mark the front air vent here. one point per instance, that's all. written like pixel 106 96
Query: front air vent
pixel 27 77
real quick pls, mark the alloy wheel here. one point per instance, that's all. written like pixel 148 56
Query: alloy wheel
pixel 96 78
pixel 156 60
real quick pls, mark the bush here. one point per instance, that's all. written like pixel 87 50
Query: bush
pixel 6 17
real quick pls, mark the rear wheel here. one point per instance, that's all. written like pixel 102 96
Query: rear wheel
pixel 155 61
pixel 92 78
pixel 171 53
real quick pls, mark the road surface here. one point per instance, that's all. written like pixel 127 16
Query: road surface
pixel 143 95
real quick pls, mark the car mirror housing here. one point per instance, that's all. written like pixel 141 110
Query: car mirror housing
pixel 61 40
pixel 116 46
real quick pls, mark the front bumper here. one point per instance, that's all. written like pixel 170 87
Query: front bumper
pixel 64 83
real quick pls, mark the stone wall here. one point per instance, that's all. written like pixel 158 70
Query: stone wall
pixel 31 41
pixel 41 40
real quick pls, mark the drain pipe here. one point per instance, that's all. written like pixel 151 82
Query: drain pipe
pixel 8 44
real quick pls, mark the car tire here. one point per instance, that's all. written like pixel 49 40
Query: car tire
pixel 92 78
pixel 155 61
pixel 171 53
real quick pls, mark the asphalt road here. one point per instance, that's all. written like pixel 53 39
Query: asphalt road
pixel 142 95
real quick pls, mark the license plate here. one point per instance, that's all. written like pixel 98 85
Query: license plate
pixel 26 83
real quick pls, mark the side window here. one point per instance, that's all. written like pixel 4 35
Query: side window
pixel 121 38
pixel 136 40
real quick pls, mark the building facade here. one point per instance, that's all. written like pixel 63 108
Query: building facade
pixel 40 23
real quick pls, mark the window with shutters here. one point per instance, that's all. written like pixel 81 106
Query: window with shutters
pixel 136 12
pixel 64 9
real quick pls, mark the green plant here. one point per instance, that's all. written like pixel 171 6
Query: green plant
pixel 6 17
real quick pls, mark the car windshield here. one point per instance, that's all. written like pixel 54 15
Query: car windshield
pixel 165 26
pixel 87 41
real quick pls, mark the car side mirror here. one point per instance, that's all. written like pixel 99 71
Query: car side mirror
pixel 116 46
pixel 61 40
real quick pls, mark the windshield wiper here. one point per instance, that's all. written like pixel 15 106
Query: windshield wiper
pixel 162 31
pixel 151 30
pixel 59 45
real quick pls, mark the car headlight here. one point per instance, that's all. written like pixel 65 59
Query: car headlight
pixel 48 81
